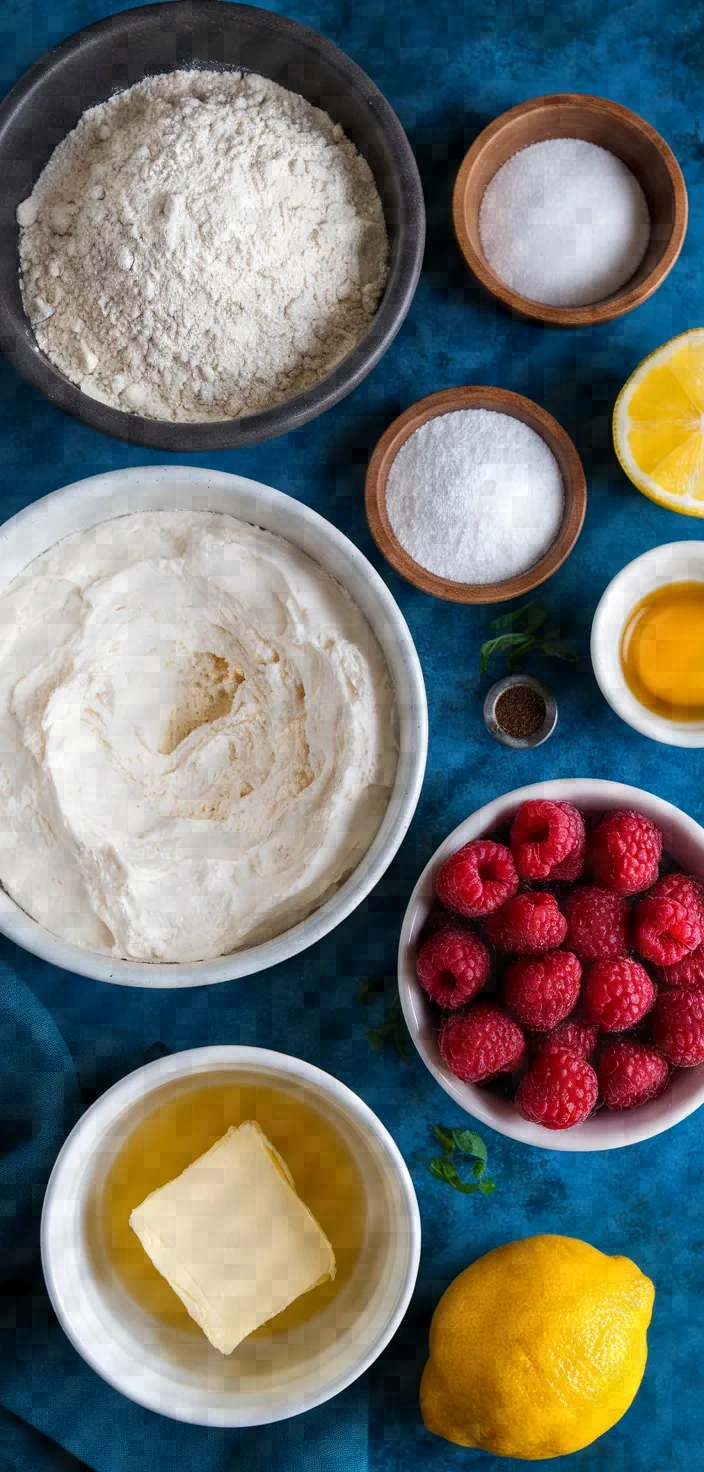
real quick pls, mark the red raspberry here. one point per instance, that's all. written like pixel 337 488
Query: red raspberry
pixel 546 835
pixel 571 867
pixel 678 1027
pixel 664 930
pixel 581 1037
pixel 480 1042
pixel 527 922
pixel 597 923
pixel 478 878
pixel 560 1090
pixel 540 991
pixel 687 973
pixel 684 888
pixel 452 965
pixel 630 1073
pixel 616 994
pixel 625 850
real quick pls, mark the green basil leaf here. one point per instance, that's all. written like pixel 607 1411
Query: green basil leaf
pixel 527 619
pixel 486 1187
pixel 502 644
pixel 446 1139
pixel 470 1144
pixel 478 1169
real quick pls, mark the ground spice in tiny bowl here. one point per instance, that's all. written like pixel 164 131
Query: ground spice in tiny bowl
pixel 520 711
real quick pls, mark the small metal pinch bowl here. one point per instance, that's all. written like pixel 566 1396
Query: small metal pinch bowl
pixel 536 737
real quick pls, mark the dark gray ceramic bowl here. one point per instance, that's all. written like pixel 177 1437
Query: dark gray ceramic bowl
pixel 87 68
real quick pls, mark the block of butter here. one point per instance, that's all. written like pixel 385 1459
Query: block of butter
pixel 233 1238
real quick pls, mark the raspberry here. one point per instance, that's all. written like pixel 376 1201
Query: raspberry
pixel 687 973
pixel 664 930
pixel 527 922
pixel 560 1090
pixel 581 1037
pixel 678 1027
pixel 617 994
pixel 684 888
pixel 630 1073
pixel 478 878
pixel 452 965
pixel 597 923
pixel 571 868
pixel 625 850
pixel 480 1042
pixel 545 836
pixel 541 991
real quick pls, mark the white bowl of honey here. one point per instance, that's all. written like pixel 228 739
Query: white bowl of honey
pixel 347 1177
pixel 647 644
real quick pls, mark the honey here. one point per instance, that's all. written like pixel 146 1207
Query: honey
pixel 662 651
pixel 180 1129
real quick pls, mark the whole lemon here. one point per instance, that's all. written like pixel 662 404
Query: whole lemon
pixel 537 1349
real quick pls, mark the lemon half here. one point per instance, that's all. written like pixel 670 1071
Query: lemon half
pixel 659 425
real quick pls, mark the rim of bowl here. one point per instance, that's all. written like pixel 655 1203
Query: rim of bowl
pixel 122 488
pixel 501 401
pixel 656 568
pixel 621 1129
pixel 136 1086
pixel 36 369
pixel 628 297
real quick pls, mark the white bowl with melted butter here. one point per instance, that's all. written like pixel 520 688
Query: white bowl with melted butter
pixel 213 727
pixel 130 1326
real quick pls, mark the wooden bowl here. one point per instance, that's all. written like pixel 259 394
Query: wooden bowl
pixel 596 120
pixel 504 402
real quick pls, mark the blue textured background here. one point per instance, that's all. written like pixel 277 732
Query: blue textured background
pixel 447 68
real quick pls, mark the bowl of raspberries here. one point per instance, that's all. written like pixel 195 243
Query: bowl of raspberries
pixel 551 965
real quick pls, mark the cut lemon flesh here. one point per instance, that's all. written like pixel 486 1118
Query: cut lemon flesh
pixel 659 425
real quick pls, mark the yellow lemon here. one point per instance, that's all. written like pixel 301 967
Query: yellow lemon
pixel 659 425
pixel 537 1348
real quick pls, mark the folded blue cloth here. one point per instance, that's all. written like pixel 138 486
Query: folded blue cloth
pixel 44 1384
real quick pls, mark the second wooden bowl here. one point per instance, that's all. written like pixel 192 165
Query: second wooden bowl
pixel 610 126
pixel 502 401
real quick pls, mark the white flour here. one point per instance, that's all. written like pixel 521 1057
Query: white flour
pixel 202 246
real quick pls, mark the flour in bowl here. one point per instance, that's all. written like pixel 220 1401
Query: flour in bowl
pixel 198 736
pixel 202 246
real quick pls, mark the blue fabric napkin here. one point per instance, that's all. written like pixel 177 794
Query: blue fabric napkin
pixel 44 1384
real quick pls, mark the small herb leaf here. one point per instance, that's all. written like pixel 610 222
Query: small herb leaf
pixel 502 644
pixel 444 1170
pixel 527 619
pixel 446 1139
pixel 478 1169
pixel 486 1187
pixel 470 1144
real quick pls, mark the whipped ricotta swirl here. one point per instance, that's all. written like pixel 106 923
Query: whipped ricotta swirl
pixel 197 736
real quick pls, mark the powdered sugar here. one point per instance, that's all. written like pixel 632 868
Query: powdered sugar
pixel 564 222
pixel 475 496
pixel 202 246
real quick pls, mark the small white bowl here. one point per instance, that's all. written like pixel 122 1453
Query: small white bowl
pixel 179 1374
pixel 182 488
pixel 683 838
pixel 675 562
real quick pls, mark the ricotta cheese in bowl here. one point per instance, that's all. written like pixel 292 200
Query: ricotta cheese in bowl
pixel 198 736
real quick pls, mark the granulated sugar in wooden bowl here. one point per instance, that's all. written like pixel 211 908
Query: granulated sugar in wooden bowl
pixel 475 495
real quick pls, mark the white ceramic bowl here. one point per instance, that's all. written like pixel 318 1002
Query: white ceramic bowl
pixel 674 562
pixel 684 839
pixel 179 1374
pixel 163 488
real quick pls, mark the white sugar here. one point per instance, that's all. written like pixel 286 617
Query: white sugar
pixel 564 222
pixel 475 496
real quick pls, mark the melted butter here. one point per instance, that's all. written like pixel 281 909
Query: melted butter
pixel 183 1128
pixel 662 651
